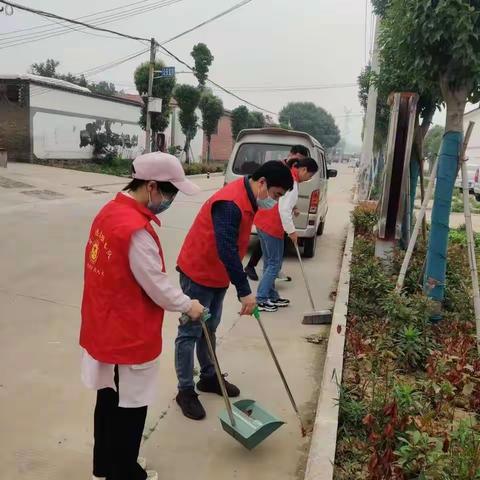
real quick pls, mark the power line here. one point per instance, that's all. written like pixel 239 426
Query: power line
pixel 179 60
pixel 41 27
pixel 132 37
pixel 99 20
pixel 34 37
pixel 212 19
pixel 77 22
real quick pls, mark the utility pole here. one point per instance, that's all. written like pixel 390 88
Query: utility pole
pixel 148 127
pixel 369 132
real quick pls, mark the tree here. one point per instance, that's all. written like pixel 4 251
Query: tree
pixel 438 44
pixel 103 88
pixel 316 121
pixel 256 120
pixel 240 120
pixel 49 69
pixel 433 140
pixel 203 59
pixel 188 99
pixel 212 110
pixel 162 88
pixel 45 69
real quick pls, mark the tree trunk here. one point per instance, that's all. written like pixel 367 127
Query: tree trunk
pixel 186 149
pixel 209 140
pixel 435 272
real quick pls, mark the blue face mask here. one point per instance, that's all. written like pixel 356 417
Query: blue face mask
pixel 157 209
pixel 266 203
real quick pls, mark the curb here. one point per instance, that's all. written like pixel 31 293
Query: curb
pixel 200 175
pixel 321 457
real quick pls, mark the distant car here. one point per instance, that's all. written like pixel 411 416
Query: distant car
pixel 257 146
pixel 472 171
pixel 476 184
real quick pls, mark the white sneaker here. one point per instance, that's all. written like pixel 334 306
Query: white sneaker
pixel 282 277
pixel 152 475
pixel 142 461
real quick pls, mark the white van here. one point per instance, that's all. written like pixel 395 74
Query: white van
pixel 257 146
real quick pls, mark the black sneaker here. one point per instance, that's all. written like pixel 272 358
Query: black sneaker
pixel 190 404
pixel 267 307
pixel 251 273
pixel 211 385
pixel 281 302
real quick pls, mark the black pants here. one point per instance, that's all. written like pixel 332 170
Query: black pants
pixel 118 433
pixel 257 253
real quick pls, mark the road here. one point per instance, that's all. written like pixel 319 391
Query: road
pixel 46 413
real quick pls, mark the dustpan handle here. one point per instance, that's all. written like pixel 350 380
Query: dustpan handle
pixel 304 276
pixel 213 356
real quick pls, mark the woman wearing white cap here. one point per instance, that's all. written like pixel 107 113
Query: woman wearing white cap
pixel 126 292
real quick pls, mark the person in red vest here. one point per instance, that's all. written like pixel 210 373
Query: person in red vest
pixel 272 225
pixel 126 292
pixel 211 259
pixel 297 152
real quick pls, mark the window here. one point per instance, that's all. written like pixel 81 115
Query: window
pixel 322 165
pixel 250 156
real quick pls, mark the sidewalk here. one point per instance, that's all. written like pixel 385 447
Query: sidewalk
pixel 47 414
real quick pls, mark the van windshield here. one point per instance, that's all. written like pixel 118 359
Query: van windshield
pixel 250 156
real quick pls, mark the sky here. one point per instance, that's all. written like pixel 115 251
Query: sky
pixel 263 45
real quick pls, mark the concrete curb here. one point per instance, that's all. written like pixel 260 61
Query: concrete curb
pixel 321 457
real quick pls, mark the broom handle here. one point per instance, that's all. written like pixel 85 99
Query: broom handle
pixel 305 277
pixel 184 319
pixel 256 314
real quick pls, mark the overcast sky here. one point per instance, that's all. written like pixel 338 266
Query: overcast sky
pixel 276 43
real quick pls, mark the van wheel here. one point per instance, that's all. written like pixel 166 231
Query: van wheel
pixel 321 227
pixel 309 245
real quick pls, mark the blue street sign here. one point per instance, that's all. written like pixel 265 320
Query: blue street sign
pixel 167 72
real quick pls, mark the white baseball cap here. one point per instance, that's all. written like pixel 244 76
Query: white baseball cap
pixel 163 167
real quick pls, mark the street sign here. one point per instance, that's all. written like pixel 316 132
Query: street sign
pixel 155 105
pixel 166 72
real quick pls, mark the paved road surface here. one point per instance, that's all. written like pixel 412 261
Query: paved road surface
pixel 46 414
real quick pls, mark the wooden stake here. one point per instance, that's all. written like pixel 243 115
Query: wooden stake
pixel 470 236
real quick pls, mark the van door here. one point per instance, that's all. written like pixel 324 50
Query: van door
pixel 323 185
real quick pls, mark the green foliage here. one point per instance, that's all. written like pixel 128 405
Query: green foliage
pixel 199 168
pixel 256 120
pixel 409 348
pixel 212 110
pixel 203 59
pixel 49 69
pixel 240 120
pixel 364 218
pixel 188 99
pixel 433 140
pixel 162 88
pixel 316 121
pixel 351 412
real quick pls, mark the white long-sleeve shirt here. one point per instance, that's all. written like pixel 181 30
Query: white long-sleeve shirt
pixel 286 204
pixel 137 383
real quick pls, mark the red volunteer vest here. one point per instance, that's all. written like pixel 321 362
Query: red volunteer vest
pixel 268 220
pixel 198 258
pixel 120 323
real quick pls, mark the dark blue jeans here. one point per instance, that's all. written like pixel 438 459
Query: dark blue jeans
pixel 191 333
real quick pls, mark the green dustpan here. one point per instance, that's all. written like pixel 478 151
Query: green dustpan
pixel 245 420
pixel 253 423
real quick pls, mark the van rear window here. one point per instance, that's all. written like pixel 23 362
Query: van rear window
pixel 250 156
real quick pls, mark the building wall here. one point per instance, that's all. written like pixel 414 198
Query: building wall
pixel 222 142
pixel 14 121
pixel 59 117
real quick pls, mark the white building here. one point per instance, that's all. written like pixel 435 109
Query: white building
pixel 473 150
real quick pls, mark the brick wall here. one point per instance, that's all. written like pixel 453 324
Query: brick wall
pixel 222 142
pixel 15 120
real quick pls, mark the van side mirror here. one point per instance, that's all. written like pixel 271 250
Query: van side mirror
pixel 331 173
